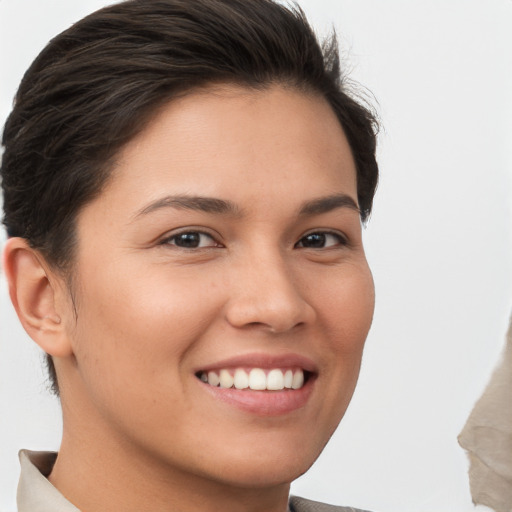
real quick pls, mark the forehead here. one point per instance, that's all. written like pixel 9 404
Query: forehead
pixel 236 142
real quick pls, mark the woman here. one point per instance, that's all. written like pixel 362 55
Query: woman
pixel 184 185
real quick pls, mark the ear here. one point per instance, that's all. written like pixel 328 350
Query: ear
pixel 36 293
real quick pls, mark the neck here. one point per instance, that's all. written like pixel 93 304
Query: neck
pixel 97 471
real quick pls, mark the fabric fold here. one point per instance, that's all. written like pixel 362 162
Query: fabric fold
pixel 487 437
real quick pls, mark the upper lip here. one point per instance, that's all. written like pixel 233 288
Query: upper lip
pixel 264 361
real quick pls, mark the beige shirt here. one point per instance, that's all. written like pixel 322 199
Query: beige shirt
pixel 37 494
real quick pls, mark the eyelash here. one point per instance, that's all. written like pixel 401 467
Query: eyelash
pixel 341 241
pixel 168 240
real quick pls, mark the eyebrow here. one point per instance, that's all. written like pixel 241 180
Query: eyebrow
pixel 327 204
pixel 195 203
pixel 225 207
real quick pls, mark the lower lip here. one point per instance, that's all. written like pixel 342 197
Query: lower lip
pixel 263 403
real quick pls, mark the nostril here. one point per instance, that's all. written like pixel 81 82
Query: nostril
pixel 276 327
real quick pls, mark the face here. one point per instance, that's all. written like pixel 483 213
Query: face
pixel 226 247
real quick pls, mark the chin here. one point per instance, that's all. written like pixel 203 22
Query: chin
pixel 272 474
pixel 268 467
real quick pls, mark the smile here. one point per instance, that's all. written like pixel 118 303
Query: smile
pixel 256 379
pixel 260 384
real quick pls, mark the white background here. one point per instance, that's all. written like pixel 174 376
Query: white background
pixel 439 243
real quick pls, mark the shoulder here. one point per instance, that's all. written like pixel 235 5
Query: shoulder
pixel 303 505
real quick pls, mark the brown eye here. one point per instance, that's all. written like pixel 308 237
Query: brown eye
pixel 191 240
pixel 321 240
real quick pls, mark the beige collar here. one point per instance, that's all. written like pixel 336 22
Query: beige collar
pixel 35 492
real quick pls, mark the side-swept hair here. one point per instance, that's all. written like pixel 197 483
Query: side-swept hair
pixel 96 85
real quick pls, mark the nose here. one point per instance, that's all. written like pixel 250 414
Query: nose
pixel 266 293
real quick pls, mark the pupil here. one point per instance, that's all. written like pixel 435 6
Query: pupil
pixel 314 240
pixel 188 240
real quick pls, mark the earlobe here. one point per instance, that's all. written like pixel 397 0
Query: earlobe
pixel 33 290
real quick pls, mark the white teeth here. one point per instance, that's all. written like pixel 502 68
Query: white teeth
pixel 288 379
pixel 213 379
pixel 298 379
pixel 241 379
pixel 226 379
pixel 275 380
pixel 256 380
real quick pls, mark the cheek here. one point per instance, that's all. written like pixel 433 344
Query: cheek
pixel 139 325
pixel 347 314
pixel 348 309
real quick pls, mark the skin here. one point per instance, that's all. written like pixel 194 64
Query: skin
pixel 139 427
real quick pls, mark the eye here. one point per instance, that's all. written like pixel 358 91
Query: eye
pixel 191 240
pixel 321 240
